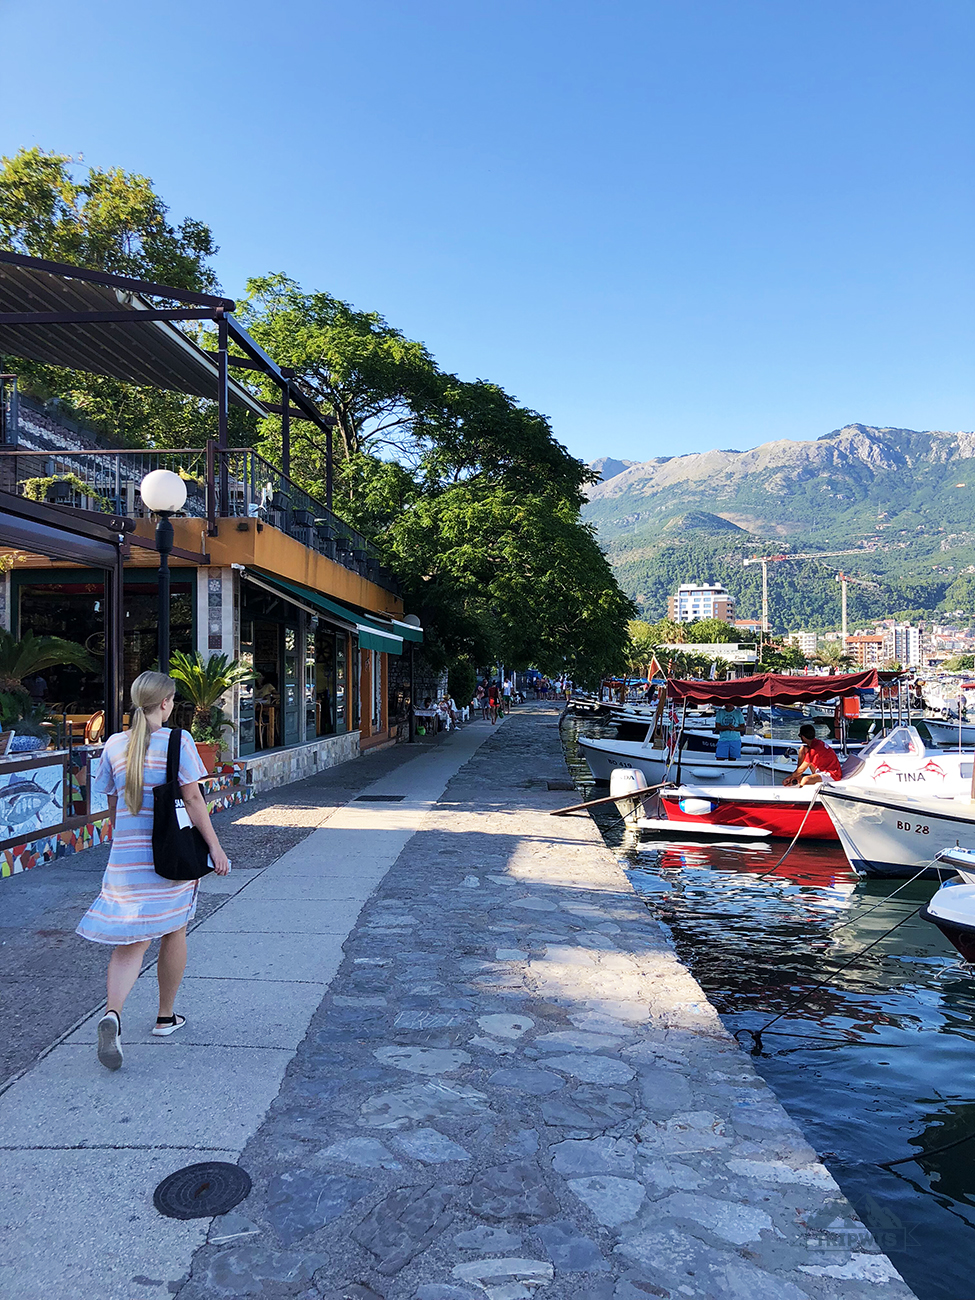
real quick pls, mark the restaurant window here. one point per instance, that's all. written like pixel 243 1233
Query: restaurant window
pixel 75 609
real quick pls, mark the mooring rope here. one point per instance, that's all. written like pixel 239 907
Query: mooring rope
pixel 756 1034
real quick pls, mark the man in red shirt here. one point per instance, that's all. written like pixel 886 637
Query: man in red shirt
pixel 816 759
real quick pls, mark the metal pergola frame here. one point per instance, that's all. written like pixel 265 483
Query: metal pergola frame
pixel 198 306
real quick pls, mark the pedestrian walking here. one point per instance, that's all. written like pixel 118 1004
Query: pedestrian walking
pixel 136 905
pixel 481 702
pixel 494 702
pixel 506 694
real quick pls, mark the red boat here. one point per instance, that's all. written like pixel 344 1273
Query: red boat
pixel 774 808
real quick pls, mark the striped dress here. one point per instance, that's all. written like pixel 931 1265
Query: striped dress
pixel 135 903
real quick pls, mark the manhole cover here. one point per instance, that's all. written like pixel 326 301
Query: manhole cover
pixel 201 1191
pixel 379 798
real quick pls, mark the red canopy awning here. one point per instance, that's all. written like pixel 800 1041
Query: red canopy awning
pixel 772 688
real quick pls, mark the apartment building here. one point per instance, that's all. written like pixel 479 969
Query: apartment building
pixel 868 648
pixel 700 600
pixel 903 644
pixel 807 642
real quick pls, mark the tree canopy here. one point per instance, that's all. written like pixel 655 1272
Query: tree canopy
pixel 110 220
pixel 466 491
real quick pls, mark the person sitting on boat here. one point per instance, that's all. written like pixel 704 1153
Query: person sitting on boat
pixel 730 726
pixel 816 759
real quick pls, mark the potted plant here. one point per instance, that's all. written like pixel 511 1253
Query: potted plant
pixel 26 658
pixel 203 682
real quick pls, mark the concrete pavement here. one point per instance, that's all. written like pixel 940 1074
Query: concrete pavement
pixel 502 1084
pixel 83 1148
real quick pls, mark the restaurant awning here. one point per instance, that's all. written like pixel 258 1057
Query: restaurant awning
pixel 772 688
pixel 371 632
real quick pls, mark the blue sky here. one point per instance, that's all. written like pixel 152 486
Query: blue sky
pixel 669 226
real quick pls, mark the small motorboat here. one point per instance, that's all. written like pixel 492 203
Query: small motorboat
pixel 782 811
pixel 952 909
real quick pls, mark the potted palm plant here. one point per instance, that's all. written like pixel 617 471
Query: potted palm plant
pixel 26 658
pixel 203 682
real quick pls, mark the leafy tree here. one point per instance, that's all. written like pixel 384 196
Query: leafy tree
pixel 779 659
pixel 461 682
pixel 706 631
pixel 959 664
pixel 109 220
pixel 832 654
pixel 514 579
pixel 961 594
pixel 374 380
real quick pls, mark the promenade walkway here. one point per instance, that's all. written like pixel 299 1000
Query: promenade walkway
pixel 458 1058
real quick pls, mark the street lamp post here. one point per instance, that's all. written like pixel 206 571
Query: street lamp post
pixel 164 494
pixel 414 621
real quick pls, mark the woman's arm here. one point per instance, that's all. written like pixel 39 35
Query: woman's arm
pixel 112 808
pixel 196 807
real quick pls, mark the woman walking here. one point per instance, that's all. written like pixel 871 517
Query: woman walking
pixel 136 905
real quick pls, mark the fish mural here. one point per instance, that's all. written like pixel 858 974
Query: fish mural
pixel 27 803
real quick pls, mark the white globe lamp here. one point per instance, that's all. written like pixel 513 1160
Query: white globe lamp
pixel 163 492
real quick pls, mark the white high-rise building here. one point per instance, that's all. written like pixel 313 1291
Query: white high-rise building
pixel 903 644
pixel 701 600
pixel 807 642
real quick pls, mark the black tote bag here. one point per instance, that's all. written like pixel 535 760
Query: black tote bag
pixel 179 851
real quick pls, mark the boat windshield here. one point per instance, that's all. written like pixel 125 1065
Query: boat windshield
pixel 902 740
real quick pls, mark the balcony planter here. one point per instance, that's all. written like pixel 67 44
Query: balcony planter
pixel 60 492
pixel 303 518
pixel 279 501
pixel 358 556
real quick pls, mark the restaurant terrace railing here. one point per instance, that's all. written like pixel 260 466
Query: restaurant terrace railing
pixel 236 483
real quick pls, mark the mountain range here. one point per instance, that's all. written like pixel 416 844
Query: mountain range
pixel 902 501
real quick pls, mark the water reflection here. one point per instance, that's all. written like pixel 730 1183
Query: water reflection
pixel 875 1064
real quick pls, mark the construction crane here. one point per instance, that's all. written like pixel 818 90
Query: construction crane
pixel 766 560
pixel 844 578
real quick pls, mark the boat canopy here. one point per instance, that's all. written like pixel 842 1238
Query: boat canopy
pixel 766 688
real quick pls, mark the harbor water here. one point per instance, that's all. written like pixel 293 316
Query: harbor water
pixel 874 1058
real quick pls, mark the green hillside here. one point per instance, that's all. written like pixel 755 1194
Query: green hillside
pixel 899 500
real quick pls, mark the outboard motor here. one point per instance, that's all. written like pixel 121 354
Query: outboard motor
pixel 628 780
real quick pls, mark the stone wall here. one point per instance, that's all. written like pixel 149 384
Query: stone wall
pixel 266 771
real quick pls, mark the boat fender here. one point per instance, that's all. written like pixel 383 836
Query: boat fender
pixel 696 807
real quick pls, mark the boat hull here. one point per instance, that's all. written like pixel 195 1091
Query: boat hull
pixel 783 818
pixel 952 910
pixel 886 836
pixel 947 733
pixel 603 756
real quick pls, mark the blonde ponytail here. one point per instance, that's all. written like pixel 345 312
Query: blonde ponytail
pixel 148 692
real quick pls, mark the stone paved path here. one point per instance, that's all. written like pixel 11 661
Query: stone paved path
pixel 514 1089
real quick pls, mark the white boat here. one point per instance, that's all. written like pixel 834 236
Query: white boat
pixel 952 909
pixel 897 832
pixel 952 735
pixel 603 756
pixel 763 761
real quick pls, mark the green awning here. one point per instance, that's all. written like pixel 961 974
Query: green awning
pixel 372 633
pixel 406 630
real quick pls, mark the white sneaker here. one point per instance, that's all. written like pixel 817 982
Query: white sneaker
pixel 110 1041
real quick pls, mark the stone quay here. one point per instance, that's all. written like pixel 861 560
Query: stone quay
pixel 458 1058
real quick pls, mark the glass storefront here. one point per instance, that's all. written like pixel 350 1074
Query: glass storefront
pixel 71 604
pixel 327 687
